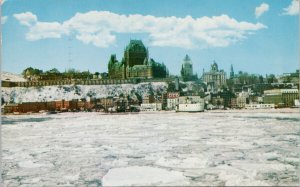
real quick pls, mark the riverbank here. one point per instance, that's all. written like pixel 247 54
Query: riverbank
pixel 278 110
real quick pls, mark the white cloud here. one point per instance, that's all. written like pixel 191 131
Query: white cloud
pixel 26 18
pixel 3 19
pixel 100 28
pixel 42 30
pixel 103 39
pixel 292 9
pixel 261 9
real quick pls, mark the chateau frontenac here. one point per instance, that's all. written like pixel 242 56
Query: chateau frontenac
pixel 135 64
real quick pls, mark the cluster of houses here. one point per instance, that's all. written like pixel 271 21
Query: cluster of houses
pixel 168 101
pixel 172 101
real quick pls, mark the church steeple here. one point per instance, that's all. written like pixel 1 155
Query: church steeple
pixel 231 72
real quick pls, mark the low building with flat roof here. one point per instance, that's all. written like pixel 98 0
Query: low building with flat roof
pixel 281 97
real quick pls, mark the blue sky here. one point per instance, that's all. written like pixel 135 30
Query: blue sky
pixel 256 36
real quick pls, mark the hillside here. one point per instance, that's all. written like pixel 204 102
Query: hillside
pixel 69 92
pixel 6 76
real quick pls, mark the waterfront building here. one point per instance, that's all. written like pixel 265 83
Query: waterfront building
pixel 190 104
pixel 150 107
pixel 62 105
pixel 172 100
pixel 135 64
pixel 242 99
pixel 281 97
pixel 190 99
pixel 233 103
pixel 259 106
pixel 147 98
pixel 217 101
pixel 215 79
pixel 222 99
pixel 105 103
pixel 196 107
pixel 11 108
pixel 162 98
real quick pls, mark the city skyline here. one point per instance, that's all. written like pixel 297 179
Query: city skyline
pixel 83 36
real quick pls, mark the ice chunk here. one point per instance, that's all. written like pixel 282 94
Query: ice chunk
pixel 143 175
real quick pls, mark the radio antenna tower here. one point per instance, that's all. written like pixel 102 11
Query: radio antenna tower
pixel 70 58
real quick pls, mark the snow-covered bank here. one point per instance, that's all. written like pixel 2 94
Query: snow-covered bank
pixel 6 76
pixel 69 92
pixel 183 149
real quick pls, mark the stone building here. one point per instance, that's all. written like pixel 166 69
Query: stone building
pixel 190 104
pixel 242 99
pixel 172 100
pixel 149 107
pixel 281 97
pixel 215 79
pixel 135 64
pixel 148 99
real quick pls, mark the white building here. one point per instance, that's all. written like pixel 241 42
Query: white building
pixel 259 106
pixel 172 103
pixel 190 99
pixel 150 107
pixel 281 97
pixel 172 100
pixel 190 104
pixel 196 107
pixel 241 99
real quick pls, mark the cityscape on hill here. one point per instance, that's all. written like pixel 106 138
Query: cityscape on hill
pixel 213 89
pixel 150 93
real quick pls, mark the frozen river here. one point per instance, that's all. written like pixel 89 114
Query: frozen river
pixel 163 148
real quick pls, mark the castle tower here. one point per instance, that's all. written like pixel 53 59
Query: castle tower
pixel 187 66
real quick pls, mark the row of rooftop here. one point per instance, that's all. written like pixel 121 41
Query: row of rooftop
pixel 167 101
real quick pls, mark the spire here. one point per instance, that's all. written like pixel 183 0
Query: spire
pixel 214 67
pixel 231 72
pixel 187 59
pixel 182 72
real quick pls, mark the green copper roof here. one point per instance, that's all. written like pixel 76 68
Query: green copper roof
pixel 135 45
pixel 187 59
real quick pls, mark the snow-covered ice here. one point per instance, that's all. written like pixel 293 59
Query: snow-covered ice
pixel 237 147
pixel 143 176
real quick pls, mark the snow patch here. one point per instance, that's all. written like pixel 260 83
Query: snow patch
pixel 69 92
pixel 6 76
